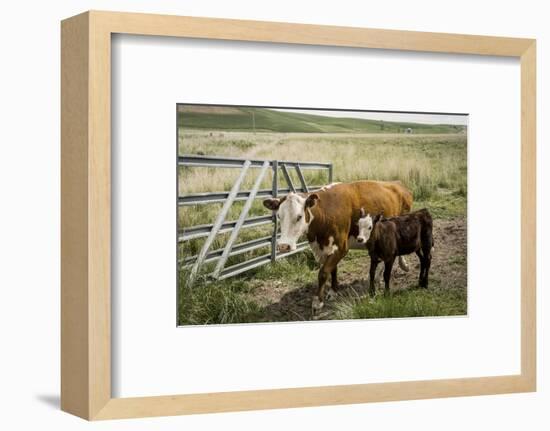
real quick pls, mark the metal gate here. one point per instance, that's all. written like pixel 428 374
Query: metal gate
pixel 220 225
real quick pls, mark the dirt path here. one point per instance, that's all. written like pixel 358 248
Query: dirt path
pixel 283 301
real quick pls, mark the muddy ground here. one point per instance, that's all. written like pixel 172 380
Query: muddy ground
pixel 283 300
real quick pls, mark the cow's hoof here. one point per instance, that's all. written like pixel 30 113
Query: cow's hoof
pixel 316 307
pixel 330 294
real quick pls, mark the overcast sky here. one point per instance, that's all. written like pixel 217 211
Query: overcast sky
pixel 390 116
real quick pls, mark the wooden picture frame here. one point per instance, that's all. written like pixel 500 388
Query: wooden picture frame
pixel 86 213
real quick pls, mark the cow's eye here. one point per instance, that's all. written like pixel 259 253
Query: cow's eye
pixel 370 227
pixel 299 218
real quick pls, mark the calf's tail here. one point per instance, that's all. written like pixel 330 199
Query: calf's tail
pixel 403 264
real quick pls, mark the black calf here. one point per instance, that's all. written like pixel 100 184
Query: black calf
pixel 398 236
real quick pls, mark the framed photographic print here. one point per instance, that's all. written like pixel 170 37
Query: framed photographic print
pixel 266 215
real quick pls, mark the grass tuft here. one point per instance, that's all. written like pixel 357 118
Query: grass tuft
pixel 405 303
pixel 215 303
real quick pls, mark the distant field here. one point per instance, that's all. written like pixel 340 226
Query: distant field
pixel 433 164
pixel 268 120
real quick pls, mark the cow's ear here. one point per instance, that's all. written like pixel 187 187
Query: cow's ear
pixel 362 213
pixel 312 200
pixel 272 204
pixel 377 218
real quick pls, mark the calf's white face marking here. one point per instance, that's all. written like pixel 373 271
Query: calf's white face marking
pixel 365 228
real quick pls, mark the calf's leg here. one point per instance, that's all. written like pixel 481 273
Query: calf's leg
pixel 422 259
pixel 372 276
pixel 427 264
pixel 388 265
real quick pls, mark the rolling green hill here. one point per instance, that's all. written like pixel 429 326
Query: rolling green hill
pixel 269 120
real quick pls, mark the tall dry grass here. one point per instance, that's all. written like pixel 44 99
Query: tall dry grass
pixel 427 164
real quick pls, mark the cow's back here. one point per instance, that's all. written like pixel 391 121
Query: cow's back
pixel 390 198
pixel 337 210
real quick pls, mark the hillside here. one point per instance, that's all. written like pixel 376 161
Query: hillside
pixel 269 120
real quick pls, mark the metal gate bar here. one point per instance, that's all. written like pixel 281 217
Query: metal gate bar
pixel 217 197
pixel 230 162
pixel 287 178
pixel 241 267
pixel 219 221
pixel 301 178
pixel 240 221
pixel 200 231
pixel 237 249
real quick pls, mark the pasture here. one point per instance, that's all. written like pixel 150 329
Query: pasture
pixel 432 165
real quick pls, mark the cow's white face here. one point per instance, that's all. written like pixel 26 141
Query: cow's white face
pixel 295 216
pixel 365 227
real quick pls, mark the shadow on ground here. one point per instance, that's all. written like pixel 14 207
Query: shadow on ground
pixel 51 400
pixel 295 305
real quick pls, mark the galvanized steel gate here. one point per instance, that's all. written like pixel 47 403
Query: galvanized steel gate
pixel 221 226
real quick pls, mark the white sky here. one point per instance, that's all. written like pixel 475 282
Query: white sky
pixel 389 116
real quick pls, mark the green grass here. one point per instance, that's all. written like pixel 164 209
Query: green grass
pixel 444 206
pixel 214 302
pixel 414 302
pixel 298 268
pixel 242 119
pixel 228 301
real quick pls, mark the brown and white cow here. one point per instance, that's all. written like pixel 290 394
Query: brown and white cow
pixel 329 218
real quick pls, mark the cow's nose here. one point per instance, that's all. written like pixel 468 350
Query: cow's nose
pixel 283 248
pixel 360 239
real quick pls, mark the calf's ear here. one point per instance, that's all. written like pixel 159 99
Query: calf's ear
pixel 272 204
pixel 312 200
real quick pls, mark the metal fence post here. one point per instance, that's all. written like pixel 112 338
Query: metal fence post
pixel 330 174
pixel 274 193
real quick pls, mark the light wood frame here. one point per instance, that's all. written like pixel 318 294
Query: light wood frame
pixel 86 213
